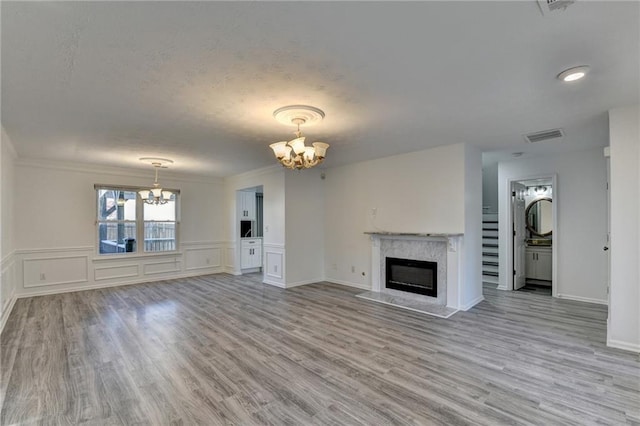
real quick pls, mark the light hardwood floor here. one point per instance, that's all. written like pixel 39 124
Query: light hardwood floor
pixel 228 350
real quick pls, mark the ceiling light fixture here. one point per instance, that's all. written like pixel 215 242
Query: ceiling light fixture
pixel 156 195
pixel 294 154
pixel 573 74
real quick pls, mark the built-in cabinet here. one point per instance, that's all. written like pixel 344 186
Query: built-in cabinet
pixel 247 205
pixel 251 253
pixel 538 263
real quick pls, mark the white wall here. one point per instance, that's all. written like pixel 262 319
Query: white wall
pixel 272 180
pixel 55 206
pixel 471 288
pixel 581 202
pixel 490 189
pixel 418 192
pixel 624 318
pixel 304 226
pixel 7 261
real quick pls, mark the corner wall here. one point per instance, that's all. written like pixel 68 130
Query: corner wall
pixel 581 203
pixel 274 262
pixel 7 240
pixel 55 206
pixel 624 309
pixel 422 191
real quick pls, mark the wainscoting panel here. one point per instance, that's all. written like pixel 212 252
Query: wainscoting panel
pixel 202 258
pixel 111 272
pixel 162 267
pixel 55 270
pixel 274 263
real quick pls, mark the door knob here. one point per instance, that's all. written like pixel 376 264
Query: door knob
pixel 605 248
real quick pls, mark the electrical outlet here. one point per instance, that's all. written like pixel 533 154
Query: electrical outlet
pixel 275 268
pixel 353 269
pixel 208 261
pixel 374 211
pixel 42 277
pixel 334 266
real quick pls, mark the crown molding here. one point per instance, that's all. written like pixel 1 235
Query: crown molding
pixel 257 172
pixel 111 170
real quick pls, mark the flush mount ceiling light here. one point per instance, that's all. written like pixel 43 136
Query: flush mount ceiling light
pixel 294 154
pixel 156 195
pixel 573 74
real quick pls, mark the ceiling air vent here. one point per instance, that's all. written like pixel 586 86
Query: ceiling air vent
pixel 545 135
pixel 547 6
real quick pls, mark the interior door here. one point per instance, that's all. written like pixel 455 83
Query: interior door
pixel 519 234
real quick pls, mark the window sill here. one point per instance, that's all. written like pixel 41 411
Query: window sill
pixel 135 256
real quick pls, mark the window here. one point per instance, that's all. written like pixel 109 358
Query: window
pixel 123 220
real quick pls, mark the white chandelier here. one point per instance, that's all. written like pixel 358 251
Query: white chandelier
pixel 156 195
pixel 295 154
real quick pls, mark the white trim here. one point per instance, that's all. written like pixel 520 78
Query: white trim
pixel 54 250
pixel 618 344
pixel 506 270
pixel 6 311
pixel 348 283
pixel 384 302
pixel 304 282
pixel 502 288
pixel 167 271
pixel 110 170
pixel 255 173
pixel 101 268
pixel 54 283
pixel 471 304
pixel 581 299
pixel 107 285
pixel 273 283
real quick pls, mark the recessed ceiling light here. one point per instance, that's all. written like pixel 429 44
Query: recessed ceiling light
pixel 573 74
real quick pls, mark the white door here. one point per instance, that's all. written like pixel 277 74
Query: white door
pixel 519 234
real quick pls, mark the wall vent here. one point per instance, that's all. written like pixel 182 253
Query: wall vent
pixel 545 135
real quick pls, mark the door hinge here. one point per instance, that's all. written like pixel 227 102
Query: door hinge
pixel 513 193
pixel 514 272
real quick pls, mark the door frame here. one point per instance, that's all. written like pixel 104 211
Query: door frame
pixel 508 237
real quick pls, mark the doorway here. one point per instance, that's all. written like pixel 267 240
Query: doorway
pixel 533 218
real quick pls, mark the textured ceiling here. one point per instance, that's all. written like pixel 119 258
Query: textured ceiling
pixel 109 82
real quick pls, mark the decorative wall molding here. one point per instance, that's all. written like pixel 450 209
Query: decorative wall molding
pixel 121 271
pixel 60 269
pixel 274 264
pixel 55 250
pixel 110 170
pixel 79 268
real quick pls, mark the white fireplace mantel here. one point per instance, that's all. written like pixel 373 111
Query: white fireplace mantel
pixel 453 244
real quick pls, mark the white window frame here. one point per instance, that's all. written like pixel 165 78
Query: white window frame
pixel 139 222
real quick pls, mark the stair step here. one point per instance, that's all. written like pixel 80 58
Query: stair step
pixel 489 245
pixel 488 253
pixel 490 280
pixel 489 237
pixel 489 263
pixel 490 274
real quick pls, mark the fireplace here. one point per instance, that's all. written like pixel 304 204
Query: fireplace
pixel 413 276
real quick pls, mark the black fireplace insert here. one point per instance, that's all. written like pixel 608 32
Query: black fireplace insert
pixel 414 276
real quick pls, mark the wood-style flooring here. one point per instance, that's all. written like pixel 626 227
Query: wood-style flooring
pixel 221 349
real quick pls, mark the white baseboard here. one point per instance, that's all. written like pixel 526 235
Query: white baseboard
pixel 273 283
pixel 582 299
pixel 472 303
pixel 7 311
pixel 348 283
pixel 502 288
pixel 117 284
pixel 305 282
pixel 632 347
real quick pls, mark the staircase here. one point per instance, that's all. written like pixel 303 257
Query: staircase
pixel 490 249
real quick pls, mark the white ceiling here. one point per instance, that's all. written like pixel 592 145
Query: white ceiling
pixel 197 82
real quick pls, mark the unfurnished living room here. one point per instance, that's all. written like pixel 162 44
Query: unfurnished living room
pixel 320 213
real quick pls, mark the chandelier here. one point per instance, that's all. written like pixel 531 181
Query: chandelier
pixel 295 154
pixel 156 195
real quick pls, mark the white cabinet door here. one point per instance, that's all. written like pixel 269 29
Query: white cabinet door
pixel 543 265
pixel 245 258
pixel 530 264
pixel 247 206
